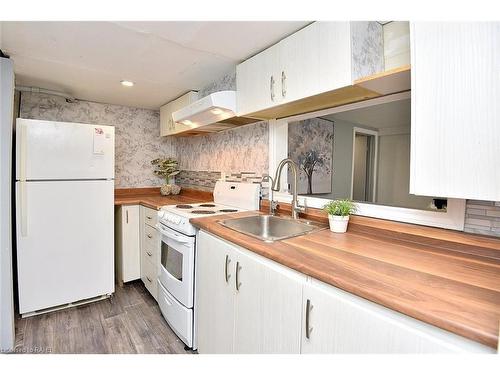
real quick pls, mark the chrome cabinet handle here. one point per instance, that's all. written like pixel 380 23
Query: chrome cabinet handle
pixel 237 281
pixel 149 279
pixel 149 254
pixel 226 275
pixel 283 84
pixel 271 88
pixel 309 307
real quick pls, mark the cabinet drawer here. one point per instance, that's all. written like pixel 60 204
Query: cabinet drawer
pixel 149 276
pixel 150 216
pixel 150 239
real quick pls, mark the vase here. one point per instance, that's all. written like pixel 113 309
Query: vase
pixel 169 189
pixel 338 224
pixel 166 189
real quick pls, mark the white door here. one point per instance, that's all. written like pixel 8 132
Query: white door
pixel 258 82
pixel 340 322
pixel 64 242
pixel 455 132
pixel 48 150
pixel 267 306
pixel 214 307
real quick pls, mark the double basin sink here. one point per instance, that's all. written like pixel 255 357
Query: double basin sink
pixel 270 228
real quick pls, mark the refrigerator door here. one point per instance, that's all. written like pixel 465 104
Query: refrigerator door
pixel 65 242
pixel 48 150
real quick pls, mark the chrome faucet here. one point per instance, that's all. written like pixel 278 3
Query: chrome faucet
pixel 273 205
pixel 296 208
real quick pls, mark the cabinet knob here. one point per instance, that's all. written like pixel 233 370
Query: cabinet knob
pixel 149 254
pixel 149 279
pixel 149 235
pixel 149 217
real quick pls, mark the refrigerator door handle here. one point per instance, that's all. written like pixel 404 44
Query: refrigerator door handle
pixel 22 152
pixel 23 208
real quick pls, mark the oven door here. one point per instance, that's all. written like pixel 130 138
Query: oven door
pixel 177 264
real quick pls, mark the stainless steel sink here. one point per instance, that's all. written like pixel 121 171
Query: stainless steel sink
pixel 270 228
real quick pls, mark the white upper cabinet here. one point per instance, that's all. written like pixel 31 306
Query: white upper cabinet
pixel 455 110
pixel 319 58
pixel 167 124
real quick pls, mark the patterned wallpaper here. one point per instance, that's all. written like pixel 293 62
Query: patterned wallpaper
pixel 367 42
pixel 242 149
pixel 137 138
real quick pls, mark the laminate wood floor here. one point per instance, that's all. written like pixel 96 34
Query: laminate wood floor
pixel 128 322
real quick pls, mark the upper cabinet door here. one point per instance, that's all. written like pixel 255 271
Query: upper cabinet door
pixel 258 81
pixel 455 110
pixel 315 60
pixel 167 124
pixel 334 55
pixel 299 64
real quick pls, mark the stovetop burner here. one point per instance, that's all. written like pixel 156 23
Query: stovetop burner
pixel 228 210
pixel 206 205
pixel 203 212
pixel 185 206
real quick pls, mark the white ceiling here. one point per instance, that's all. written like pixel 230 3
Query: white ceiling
pixel 388 115
pixel 165 59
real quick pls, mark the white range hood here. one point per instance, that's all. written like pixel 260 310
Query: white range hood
pixel 214 112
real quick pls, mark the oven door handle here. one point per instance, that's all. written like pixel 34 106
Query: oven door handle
pixel 172 235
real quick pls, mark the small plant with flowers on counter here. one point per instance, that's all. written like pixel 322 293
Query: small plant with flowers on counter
pixel 338 214
pixel 167 168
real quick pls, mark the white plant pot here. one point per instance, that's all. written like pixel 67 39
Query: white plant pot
pixel 338 224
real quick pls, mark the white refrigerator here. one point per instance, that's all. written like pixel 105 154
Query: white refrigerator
pixel 64 213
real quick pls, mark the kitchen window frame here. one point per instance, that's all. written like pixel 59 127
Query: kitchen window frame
pixel 453 218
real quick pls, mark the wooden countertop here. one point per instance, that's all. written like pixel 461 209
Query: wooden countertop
pixel 151 197
pixel 445 278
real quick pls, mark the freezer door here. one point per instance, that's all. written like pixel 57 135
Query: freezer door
pixel 48 150
pixel 65 242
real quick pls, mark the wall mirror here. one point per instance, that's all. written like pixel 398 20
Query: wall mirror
pixel 361 152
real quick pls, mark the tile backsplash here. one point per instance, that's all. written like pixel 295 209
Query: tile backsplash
pixel 482 217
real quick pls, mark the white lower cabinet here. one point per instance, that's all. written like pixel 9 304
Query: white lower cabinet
pixel 150 250
pixel 245 303
pixel 127 244
pixel 340 322
pixel 214 295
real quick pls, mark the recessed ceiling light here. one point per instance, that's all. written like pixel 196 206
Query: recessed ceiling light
pixel 127 83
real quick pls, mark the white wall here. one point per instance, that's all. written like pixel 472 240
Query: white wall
pixel 393 178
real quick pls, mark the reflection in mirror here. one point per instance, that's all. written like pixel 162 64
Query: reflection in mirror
pixel 361 154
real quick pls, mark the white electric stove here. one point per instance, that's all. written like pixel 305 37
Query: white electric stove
pixel 178 251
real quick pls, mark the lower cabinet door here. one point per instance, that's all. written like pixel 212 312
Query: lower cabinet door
pixel 335 321
pixel 214 302
pixel 267 305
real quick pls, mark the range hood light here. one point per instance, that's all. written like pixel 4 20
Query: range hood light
pixel 217 111
pixel 187 122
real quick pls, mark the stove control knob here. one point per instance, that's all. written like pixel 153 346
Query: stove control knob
pixel 178 221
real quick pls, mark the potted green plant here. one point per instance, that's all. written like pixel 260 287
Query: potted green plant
pixel 338 214
pixel 167 168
